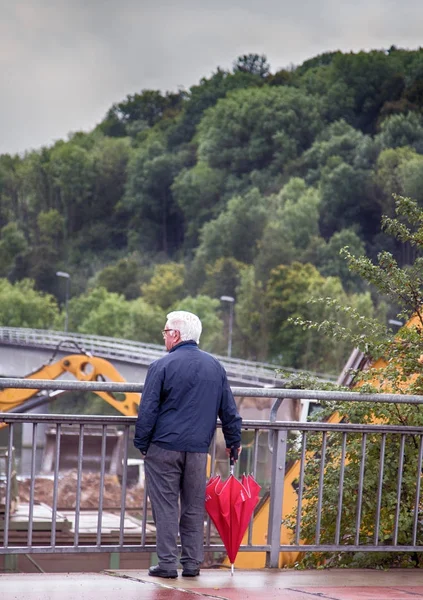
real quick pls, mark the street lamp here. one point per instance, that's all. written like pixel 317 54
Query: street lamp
pixel 231 318
pixel 395 322
pixel 67 277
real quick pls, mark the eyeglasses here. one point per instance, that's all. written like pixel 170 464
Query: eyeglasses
pixel 165 331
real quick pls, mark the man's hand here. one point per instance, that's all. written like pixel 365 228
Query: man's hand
pixel 228 453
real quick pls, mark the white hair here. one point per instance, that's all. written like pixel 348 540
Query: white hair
pixel 188 325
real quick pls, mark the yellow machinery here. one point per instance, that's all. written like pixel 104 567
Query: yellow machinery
pixel 84 368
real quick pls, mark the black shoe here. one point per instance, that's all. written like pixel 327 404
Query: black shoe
pixel 187 572
pixel 164 573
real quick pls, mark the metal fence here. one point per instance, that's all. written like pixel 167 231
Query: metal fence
pixel 317 487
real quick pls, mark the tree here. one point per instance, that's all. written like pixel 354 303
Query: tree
pixel 203 96
pixel 22 306
pixel 80 307
pixel 46 250
pixel 338 140
pixel 110 158
pixel 149 199
pixel 399 171
pixel 293 221
pixel 288 294
pixel 166 285
pixel 223 277
pixel 402 130
pixel 388 176
pixel 144 323
pixel 250 316
pixel 348 199
pixel 373 78
pixel 125 277
pixel 12 245
pixel 252 63
pixel 226 237
pixel 331 264
pixel 243 220
pixel 257 128
pixel 72 176
pixel 139 111
pixel 108 313
pixel 198 193
pixel 395 366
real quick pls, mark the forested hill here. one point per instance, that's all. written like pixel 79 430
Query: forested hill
pixel 246 185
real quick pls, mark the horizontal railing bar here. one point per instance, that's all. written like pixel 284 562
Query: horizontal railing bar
pixel 319 395
pixel 207 548
pixel 246 424
pixel 113 548
pixel 348 548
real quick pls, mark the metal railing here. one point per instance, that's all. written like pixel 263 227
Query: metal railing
pixel 135 352
pixel 333 455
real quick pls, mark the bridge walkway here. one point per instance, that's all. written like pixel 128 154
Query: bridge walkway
pixel 265 584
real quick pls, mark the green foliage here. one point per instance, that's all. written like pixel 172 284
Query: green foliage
pixel 252 63
pixel 144 323
pixel 12 244
pixel 198 192
pixel 332 264
pixel 124 277
pixel 166 285
pixel 293 221
pixel 372 79
pixel 149 198
pixel 108 318
pixel 346 192
pixel 236 231
pixel 139 112
pixel 22 306
pixel 402 130
pixel 205 95
pixel 72 177
pixel 289 299
pixel 257 128
pixel 223 277
pixel 250 316
pixel 394 366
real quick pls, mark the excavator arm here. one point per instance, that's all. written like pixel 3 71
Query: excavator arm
pixel 83 368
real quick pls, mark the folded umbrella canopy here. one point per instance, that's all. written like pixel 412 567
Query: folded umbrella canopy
pixel 230 504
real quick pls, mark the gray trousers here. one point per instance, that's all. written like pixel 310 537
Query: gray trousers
pixel 176 485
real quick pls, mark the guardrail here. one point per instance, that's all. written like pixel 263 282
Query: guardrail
pixel 399 449
pixel 137 352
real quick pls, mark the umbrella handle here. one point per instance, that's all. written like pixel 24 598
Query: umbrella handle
pixel 233 458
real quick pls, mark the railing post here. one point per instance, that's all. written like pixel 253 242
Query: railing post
pixel 279 443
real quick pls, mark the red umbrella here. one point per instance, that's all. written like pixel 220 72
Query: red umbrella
pixel 230 505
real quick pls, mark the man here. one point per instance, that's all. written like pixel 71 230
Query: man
pixel 184 393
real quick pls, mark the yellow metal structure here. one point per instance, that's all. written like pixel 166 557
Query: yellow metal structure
pixel 84 368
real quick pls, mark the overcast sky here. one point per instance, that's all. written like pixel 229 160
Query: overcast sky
pixel 63 63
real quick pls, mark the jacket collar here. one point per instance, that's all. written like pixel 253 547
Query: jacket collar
pixel 187 343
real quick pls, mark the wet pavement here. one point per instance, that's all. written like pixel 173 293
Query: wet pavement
pixel 265 584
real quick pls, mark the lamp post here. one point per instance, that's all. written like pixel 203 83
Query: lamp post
pixel 67 277
pixel 231 319
pixel 395 322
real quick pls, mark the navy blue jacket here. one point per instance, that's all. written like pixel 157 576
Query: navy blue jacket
pixel 184 393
